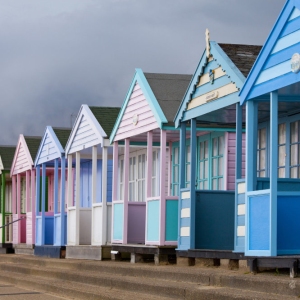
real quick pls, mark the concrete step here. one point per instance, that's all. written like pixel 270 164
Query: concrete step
pixel 170 282
pixel 71 290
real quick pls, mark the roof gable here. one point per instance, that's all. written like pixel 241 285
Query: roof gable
pixel 26 150
pixel 51 147
pixel 86 132
pixel 6 157
pixel 229 78
pixel 272 69
pixel 140 79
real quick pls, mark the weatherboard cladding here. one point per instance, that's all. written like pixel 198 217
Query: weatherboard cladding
pixel 137 105
pixel 7 155
pixel 50 150
pixel 168 90
pixel 230 65
pixel 272 69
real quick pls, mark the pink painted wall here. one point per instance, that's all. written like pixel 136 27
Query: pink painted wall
pixel 22 163
pixel 231 160
pixel 138 105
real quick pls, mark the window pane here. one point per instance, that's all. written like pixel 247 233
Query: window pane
pixel 206 169
pixel 215 146
pixel 201 171
pixel 281 156
pixel 294 132
pixel 206 149
pixel 215 184
pixel 294 172
pixel 201 150
pixel 220 166
pixel 220 183
pixel 176 155
pixel 281 173
pixel 221 145
pixel 263 138
pixel 281 134
pixel 215 167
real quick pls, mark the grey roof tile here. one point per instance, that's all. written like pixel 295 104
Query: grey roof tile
pixel 7 155
pixel 169 90
pixel 106 116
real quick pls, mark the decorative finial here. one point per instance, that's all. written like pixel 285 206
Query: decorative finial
pixel 207 43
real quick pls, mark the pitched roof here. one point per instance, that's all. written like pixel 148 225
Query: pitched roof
pixel 7 155
pixel 33 143
pixel 62 135
pixel 243 56
pixel 169 90
pixel 106 116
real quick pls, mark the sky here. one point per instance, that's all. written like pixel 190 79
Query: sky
pixel 56 55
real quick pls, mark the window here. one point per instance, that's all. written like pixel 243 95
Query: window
pixel 188 166
pixel 23 195
pixel 281 150
pixel 155 185
pixel 294 150
pixel 261 152
pixel 175 170
pixel 210 166
pixel 121 179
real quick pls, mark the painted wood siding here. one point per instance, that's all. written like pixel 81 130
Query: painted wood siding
pixel 22 164
pixel 49 150
pixel 85 136
pixel 276 71
pixel 222 87
pixel 137 105
pixel 231 160
pixel 167 188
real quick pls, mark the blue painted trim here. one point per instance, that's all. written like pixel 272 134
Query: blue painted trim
pixel 251 159
pixel 258 193
pixel 274 84
pixel 148 93
pixel 37 190
pixel 228 66
pixel 288 252
pixel 208 87
pixel 291 26
pixel 193 147
pixel 273 172
pixel 266 51
pixel 211 106
pixel 43 202
pixel 257 252
pixel 281 56
pixel 49 130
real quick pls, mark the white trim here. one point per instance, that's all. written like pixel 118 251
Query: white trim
pixel 241 209
pixel 185 231
pixel 185 195
pixel 185 213
pixel 241 231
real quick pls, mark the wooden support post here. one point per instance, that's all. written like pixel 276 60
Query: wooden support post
pixel 94 190
pixel 273 171
pixel 70 182
pixel 38 194
pixel 163 151
pixel 77 198
pixel 33 203
pixel 62 200
pixel 252 262
pixel 104 196
pixel 193 146
pixel 3 200
pixel 115 184
pixel 55 187
pixel 126 189
pixel 43 202
pixel 149 163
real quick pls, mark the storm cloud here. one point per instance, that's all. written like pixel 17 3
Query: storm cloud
pixel 56 55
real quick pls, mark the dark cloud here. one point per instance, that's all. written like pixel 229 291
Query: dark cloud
pixel 56 55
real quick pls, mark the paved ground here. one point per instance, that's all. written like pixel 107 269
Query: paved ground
pixel 12 292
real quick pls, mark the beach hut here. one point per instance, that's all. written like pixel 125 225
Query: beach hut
pixel 22 174
pixel 145 181
pixel 51 215
pixel 6 158
pixel 271 191
pixel 210 119
pixel 90 187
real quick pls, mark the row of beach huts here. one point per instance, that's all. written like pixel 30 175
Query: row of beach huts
pixel 194 166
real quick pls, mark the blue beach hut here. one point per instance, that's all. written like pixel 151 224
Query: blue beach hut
pixel 211 157
pixel 51 216
pixel 271 192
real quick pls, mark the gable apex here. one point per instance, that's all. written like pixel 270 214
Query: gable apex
pixel 86 132
pixel 272 68
pixel 140 78
pixel 232 62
